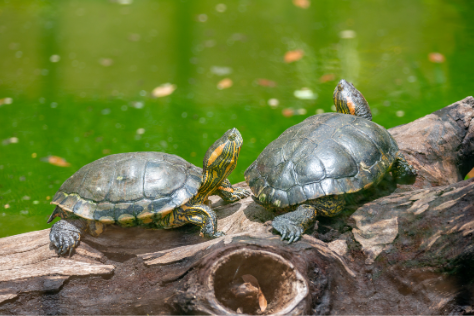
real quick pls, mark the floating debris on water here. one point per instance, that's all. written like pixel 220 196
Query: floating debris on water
pixel 106 62
pixel 327 77
pixel 400 113
pixel 273 102
pixel 333 108
pixel 134 37
pixel 24 212
pixel 57 161
pixel 293 55
pixel 202 18
pixel 301 111
pixel 137 105
pixel 289 112
pixel 305 94
pixel 266 83
pixel 6 101
pixel 11 140
pixel 225 83
pixel 26 198
pixel 221 71
pixel 6 206
pixel 304 4
pixel 347 34
pixel 436 58
pixel 163 90
pixel 221 7
pixel 319 111
pixel 54 58
pixel 140 131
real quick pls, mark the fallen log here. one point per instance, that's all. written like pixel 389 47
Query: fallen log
pixel 403 250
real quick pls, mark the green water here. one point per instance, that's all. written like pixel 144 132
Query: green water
pixel 77 75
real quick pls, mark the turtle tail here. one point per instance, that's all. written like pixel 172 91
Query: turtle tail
pixel 57 212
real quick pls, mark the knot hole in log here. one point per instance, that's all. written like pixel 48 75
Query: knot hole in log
pixel 283 287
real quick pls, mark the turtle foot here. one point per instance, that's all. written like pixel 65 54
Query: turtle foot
pixel 240 193
pixel 287 228
pixel 64 236
pixel 218 234
pixel 235 195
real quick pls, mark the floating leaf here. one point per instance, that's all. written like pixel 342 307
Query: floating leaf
pixel 163 90
pixel 288 112
pixel 134 37
pixel 436 58
pixel 11 140
pixel 221 71
pixel 6 101
pixel 305 94
pixel 224 83
pixel 106 62
pixel 266 83
pixel 302 3
pixel 273 102
pixel 347 34
pixel 293 55
pixel 57 161
pixel 327 77
pixel 301 111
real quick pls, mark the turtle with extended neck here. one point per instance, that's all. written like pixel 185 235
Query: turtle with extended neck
pixel 150 189
pixel 313 167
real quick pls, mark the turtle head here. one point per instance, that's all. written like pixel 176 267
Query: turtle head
pixel 349 100
pixel 220 160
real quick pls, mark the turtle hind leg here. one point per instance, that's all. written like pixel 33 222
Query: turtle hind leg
pixel 229 193
pixel 402 171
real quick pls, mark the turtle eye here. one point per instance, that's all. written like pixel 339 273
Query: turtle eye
pixel 232 136
pixel 340 87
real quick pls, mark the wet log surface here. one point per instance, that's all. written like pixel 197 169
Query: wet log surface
pixel 405 249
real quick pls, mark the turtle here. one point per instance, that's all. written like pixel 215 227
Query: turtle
pixel 150 189
pixel 315 167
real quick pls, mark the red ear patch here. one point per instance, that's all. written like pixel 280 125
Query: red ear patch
pixel 350 105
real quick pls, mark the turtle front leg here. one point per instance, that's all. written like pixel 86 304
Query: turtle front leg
pixel 203 216
pixel 65 234
pixel 402 171
pixel 293 224
pixel 198 214
pixel 229 193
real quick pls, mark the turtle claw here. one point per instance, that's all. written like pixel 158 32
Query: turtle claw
pixel 219 234
pixel 235 195
pixel 240 193
pixel 287 229
pixel 64 236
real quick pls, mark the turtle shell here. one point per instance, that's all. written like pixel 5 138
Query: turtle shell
pixel 326 154
pixel 129 188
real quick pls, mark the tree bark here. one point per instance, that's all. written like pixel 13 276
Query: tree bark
pixel 406 249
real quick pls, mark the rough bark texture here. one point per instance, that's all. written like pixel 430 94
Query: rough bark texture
pixel 399 250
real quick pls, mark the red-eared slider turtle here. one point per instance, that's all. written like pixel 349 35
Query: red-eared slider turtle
pixel 315 165
pixel 152 189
